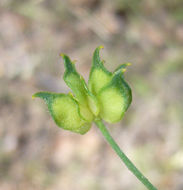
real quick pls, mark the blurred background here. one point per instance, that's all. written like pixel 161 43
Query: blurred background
pixel 34 153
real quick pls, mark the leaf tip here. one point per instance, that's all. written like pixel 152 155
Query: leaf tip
pixel 33 96
pixel 62 55
pixel 42 95
pixel 101 47
pixel 123 70
pixel 68 64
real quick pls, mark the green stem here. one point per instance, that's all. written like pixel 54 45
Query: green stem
pixel 123 157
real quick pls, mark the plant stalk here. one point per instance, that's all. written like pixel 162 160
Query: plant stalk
pixel 123 157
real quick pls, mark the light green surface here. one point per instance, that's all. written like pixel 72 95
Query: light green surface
pixel 112 105
pixel 65 111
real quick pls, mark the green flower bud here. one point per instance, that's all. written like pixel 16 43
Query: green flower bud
pixel 65 111
pixel 108 96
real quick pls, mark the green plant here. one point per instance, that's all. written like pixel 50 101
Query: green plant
pixel 107 97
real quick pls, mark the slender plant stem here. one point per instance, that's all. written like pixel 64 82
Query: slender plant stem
pixel 123 157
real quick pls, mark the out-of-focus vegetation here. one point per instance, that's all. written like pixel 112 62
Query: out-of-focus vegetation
pixel 34 153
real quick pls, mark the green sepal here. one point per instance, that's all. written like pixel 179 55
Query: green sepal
pixel 76 82
pixel 65 111
pixel 73 79
pixel 114 98
pixel 99 75
pixel 93 103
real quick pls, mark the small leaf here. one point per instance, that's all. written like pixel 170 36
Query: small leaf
pixel 99 75
pixel 114 99
pixel 78 86
pixel 65 111
pixel 73 79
